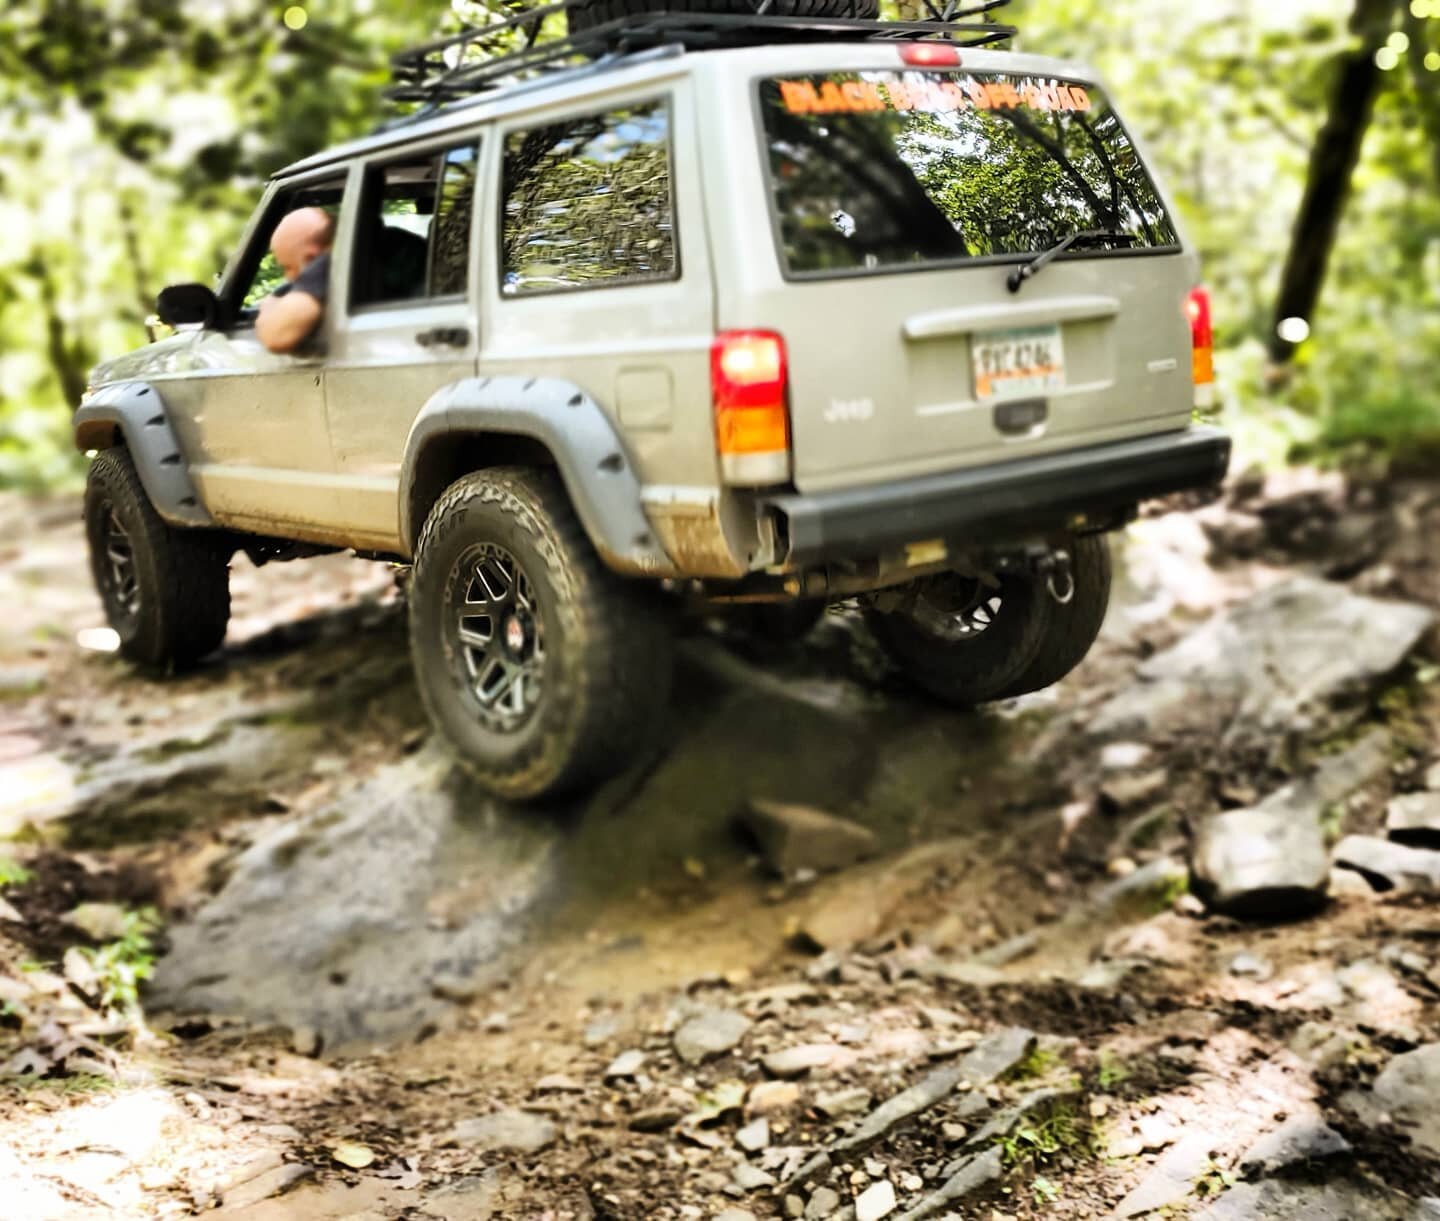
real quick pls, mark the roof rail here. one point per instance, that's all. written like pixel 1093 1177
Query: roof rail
pixel 501 52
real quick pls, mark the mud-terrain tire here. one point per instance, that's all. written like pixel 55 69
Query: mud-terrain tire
pixel 1072 627
pixel 505 546
pixel 589 13
pixel 166 591
pixel 964 670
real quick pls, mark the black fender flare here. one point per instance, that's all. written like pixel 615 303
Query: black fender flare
pixel 136 412
pixel 592 461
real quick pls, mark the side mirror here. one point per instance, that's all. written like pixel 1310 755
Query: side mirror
pixel 188 305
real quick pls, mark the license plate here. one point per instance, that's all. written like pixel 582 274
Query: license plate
pixel 1018 364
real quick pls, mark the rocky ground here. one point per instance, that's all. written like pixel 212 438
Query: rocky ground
pixel 1160 942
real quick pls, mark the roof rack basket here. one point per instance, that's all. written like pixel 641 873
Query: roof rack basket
pixel 533 41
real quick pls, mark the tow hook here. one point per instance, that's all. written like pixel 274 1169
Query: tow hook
pixel 1059 576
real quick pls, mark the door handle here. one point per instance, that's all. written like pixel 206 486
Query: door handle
pixel 443 337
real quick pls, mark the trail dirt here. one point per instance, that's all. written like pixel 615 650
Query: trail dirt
pixel 380 993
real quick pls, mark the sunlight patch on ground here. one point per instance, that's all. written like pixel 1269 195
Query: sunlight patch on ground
pixel 33 789
pixel 98 639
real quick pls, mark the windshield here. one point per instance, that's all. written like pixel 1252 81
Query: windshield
pixel 875 170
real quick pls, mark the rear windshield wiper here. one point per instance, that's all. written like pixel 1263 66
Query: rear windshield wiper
pixel 1086 237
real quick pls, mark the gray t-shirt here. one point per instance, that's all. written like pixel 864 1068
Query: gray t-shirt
pixel 314 280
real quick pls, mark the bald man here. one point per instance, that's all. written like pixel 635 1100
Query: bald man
pixel 301 245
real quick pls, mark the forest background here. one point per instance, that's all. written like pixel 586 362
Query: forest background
pixel 1300 138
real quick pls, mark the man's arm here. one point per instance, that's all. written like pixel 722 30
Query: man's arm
pixel 284 323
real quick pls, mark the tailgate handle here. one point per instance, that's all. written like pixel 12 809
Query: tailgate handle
pixel 967 319
pixel 443 337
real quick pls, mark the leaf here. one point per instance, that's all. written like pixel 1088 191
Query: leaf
pixel 713 1103
pixel 356 1156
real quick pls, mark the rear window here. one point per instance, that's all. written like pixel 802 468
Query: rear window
pixel 874 170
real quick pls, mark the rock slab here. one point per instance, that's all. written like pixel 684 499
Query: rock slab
pixel 1301 1138
pixel 1282 1200
pixel 1414 819
pixel 797 1061
pixel 823 1203
pixel 1389 866
pixel 995 1055
pixel 876 1201
pixel 368 873
pixel 971 1174
pixel 1271 859
pixel 708 1034
pixel 1260 861
pixel 272 1183
pixel 512 1131
pixel 1171 1179
pixel 1408 1091
pixel 1268 666
pixel 796 837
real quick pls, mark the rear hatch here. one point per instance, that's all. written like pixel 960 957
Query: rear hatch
pixel 902 203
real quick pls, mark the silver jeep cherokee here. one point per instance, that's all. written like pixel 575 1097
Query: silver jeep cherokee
pixel 776 309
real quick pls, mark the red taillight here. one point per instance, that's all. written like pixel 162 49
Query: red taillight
pixel 1202 346
pixel 748 378
pixel 1202 329
pixel 930 55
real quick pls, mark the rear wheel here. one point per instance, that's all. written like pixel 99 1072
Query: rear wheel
pixel 590 13
pixel 965 640
pixel 166 592
pixel 545 670
pixel 1072 625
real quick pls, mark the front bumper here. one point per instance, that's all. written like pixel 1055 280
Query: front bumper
pixel 1010 498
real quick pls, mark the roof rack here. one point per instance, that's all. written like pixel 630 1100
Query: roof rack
pixel 509 49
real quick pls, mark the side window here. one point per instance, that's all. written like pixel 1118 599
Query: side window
pixel 259 273
pixel 587 202
pixel 413 239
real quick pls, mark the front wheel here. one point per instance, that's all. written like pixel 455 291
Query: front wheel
pixel 965 640
pixel 166 591
pixel 545 670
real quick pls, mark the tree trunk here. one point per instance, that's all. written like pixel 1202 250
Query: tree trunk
pixel 1427 85
pixel 67 362
pixel 1332 165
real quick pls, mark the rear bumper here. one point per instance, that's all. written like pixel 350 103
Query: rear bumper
pixel 1032 493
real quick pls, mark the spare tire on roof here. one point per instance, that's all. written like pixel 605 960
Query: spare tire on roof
pixel 585 14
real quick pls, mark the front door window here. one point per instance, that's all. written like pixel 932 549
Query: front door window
pixel 259 274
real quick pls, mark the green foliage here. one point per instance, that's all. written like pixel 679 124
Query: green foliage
pixel 75 1083
pixel 134 139
pixel 1332 821
pixel 1215 1181
pixel 122 965
pixel 1044 1191
pixel 12 873
pixel 1040 1062
pixel 1175 887
pixel 1228 102
pixel 1112 1071
pixel 1038 1142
